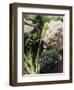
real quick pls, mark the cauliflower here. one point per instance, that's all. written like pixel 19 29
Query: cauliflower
pixel 53 37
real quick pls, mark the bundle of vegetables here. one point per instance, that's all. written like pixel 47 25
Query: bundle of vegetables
pixel 36 58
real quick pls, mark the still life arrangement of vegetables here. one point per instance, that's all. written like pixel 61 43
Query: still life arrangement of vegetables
pixel 43 44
